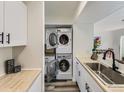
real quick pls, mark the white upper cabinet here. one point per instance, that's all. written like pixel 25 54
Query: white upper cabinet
pixel 1 24
pixel 15 24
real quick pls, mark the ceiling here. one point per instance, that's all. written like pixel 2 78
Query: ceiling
pixel 97 10
pixel 65 11
pixel 60 10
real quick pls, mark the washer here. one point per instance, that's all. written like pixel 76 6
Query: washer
pixel 51 38
pixel 64 40
pixel 64 66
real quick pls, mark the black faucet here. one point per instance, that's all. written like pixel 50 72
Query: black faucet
pixel 113 57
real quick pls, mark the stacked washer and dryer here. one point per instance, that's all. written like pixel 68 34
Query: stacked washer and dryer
pixel 60 38
pixel 64 53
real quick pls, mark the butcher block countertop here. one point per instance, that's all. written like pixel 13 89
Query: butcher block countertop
pixel 18 82
pixel 106 88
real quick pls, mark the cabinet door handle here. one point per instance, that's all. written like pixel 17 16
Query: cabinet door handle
pixel 77 62
pixel 8 38
pixel 2 38
pixel 79 73
pixel 87 87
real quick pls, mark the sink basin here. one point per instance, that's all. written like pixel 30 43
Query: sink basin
pixel 106 74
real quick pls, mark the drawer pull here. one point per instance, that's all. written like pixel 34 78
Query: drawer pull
pixel 2 38
pixel 8 38
pixel 87 87
pixel 79 73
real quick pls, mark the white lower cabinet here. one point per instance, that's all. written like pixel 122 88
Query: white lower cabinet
pixel 36 86
pixel 85 82
pixel 82 79
pixel 80 76
pixel 93 86
pixel 77 71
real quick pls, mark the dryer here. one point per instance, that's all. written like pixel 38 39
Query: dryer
pixel 64 40
pixel 64 66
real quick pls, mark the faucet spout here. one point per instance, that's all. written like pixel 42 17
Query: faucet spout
pixel 113 57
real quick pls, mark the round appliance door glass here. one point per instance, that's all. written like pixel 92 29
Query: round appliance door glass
pixel 52 39
pixel 64 65
pixel 63 39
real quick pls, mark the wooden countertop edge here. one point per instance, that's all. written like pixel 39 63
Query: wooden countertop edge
pixel 92 75
pixel 33 81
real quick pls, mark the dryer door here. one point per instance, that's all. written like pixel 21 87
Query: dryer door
pixel 51 38
pixel 64 36
pixel 63 39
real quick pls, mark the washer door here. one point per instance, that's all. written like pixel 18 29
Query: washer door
pixel 51 38
pixel 63 39
pixel 64 65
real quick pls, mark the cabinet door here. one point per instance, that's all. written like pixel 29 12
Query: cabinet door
pixel 36 86
pixel 15 23
pixel 93 86
pixel 78 75
pixel 1 24
pixel 76 72
pixel 82 78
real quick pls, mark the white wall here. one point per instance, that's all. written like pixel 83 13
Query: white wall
pixel 52 20
pixel 82 38
pixel 31 56
pixel 5 53
pixel 82 41
pixel 111 39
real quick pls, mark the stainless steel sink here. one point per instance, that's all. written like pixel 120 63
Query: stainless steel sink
pixel 106 74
